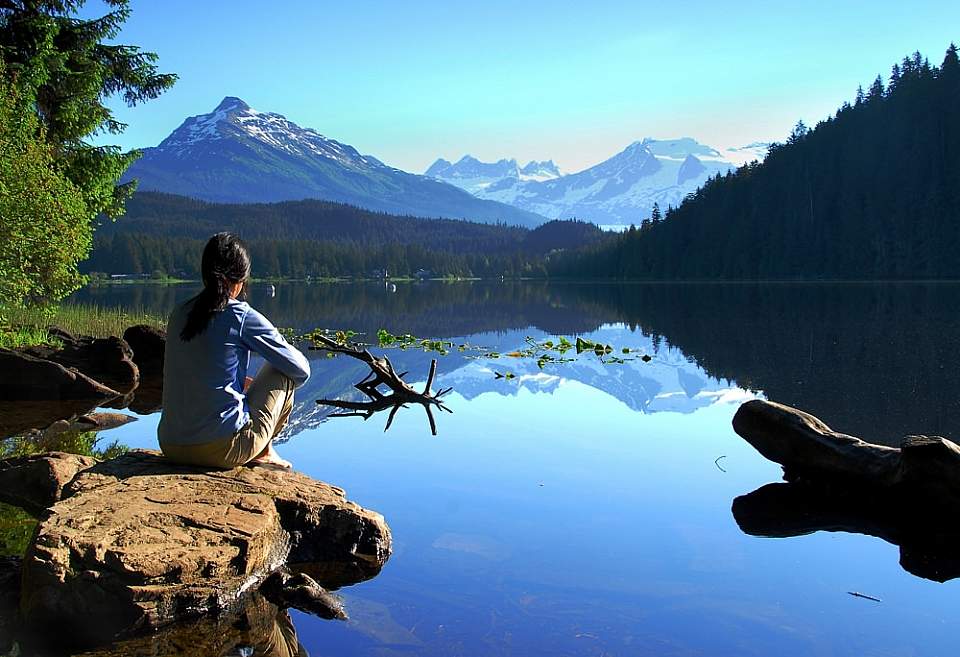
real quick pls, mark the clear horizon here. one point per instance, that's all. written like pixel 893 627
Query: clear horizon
pixel 410 84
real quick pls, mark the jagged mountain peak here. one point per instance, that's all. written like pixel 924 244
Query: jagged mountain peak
pixel 542 170
pixel 231 103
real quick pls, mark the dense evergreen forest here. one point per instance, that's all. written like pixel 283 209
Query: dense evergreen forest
pixel 163 234
pixel 870 193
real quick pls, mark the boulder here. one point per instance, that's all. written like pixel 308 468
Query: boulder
pixel 29 378
pixel 36 483
pixel 148 345
pixel 107 360
pixel 299 590
pixel 138 542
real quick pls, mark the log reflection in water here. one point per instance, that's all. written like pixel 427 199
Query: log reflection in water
pixel 928 539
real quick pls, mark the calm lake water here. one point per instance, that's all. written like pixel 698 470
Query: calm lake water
pixel 585 509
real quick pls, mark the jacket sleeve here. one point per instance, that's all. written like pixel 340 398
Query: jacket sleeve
pixel 260 336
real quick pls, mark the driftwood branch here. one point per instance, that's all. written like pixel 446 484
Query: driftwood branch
pixel 382 373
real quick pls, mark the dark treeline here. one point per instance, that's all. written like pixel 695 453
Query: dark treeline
pixel 164 234
pixel 872 192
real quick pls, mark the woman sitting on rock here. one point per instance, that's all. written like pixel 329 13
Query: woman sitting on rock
pixel 213 413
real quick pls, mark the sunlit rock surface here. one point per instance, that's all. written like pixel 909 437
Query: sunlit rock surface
pixel 138 542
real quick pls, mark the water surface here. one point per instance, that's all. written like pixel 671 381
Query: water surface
pixel 585 509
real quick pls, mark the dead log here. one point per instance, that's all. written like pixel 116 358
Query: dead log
pixel 806 446
pixel 923 467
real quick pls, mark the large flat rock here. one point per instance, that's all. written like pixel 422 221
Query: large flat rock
pixel 138 542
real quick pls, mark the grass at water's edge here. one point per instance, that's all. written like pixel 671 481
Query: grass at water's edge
pixel 24 327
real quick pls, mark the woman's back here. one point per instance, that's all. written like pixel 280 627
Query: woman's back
pixel 203 381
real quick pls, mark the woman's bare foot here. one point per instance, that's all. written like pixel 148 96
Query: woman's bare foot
pixel 270 457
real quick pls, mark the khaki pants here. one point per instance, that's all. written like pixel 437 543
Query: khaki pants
pixel 270 400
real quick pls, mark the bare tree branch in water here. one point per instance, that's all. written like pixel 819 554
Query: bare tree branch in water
pixel 382 373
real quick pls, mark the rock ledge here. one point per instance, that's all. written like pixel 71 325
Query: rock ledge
pixel 138 542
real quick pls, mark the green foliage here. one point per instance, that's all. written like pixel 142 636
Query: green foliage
pixel 44 227
pixel 16 337
pixel 85 443
pixel 544 352
pixel 70 70
pixel 16 530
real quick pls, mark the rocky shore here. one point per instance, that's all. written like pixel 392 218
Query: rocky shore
pixel 137 542
pixel 138 549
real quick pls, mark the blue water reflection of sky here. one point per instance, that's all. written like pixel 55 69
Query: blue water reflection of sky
pixel 554 518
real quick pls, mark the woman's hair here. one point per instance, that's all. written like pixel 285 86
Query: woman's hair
pixel 225 263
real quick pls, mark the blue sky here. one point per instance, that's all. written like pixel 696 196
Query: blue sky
pixel 574 81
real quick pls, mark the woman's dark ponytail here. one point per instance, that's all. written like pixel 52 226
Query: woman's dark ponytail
pixel 225 263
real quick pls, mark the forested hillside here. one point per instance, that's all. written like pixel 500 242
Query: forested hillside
pixel 872 192
pixel 164 234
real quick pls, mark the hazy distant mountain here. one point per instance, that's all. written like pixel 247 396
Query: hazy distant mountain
pixel 620 190
pixel 474 176
pixel 236 154
pixel 743 154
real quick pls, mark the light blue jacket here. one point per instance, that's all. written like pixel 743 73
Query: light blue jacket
pixel 203 398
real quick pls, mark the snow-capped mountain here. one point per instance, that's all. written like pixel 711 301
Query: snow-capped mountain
pixel 620 190
pixel 236 154
pixel 540 171
pixel 744 154
pixel 474 176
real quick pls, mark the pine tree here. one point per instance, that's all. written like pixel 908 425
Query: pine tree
pixel 894 77
pixel 68 67
pixel 798 133
pixel 951 64
pixel 655 215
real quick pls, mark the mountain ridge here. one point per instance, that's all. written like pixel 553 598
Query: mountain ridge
pixel 620 190
pixel 236 154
